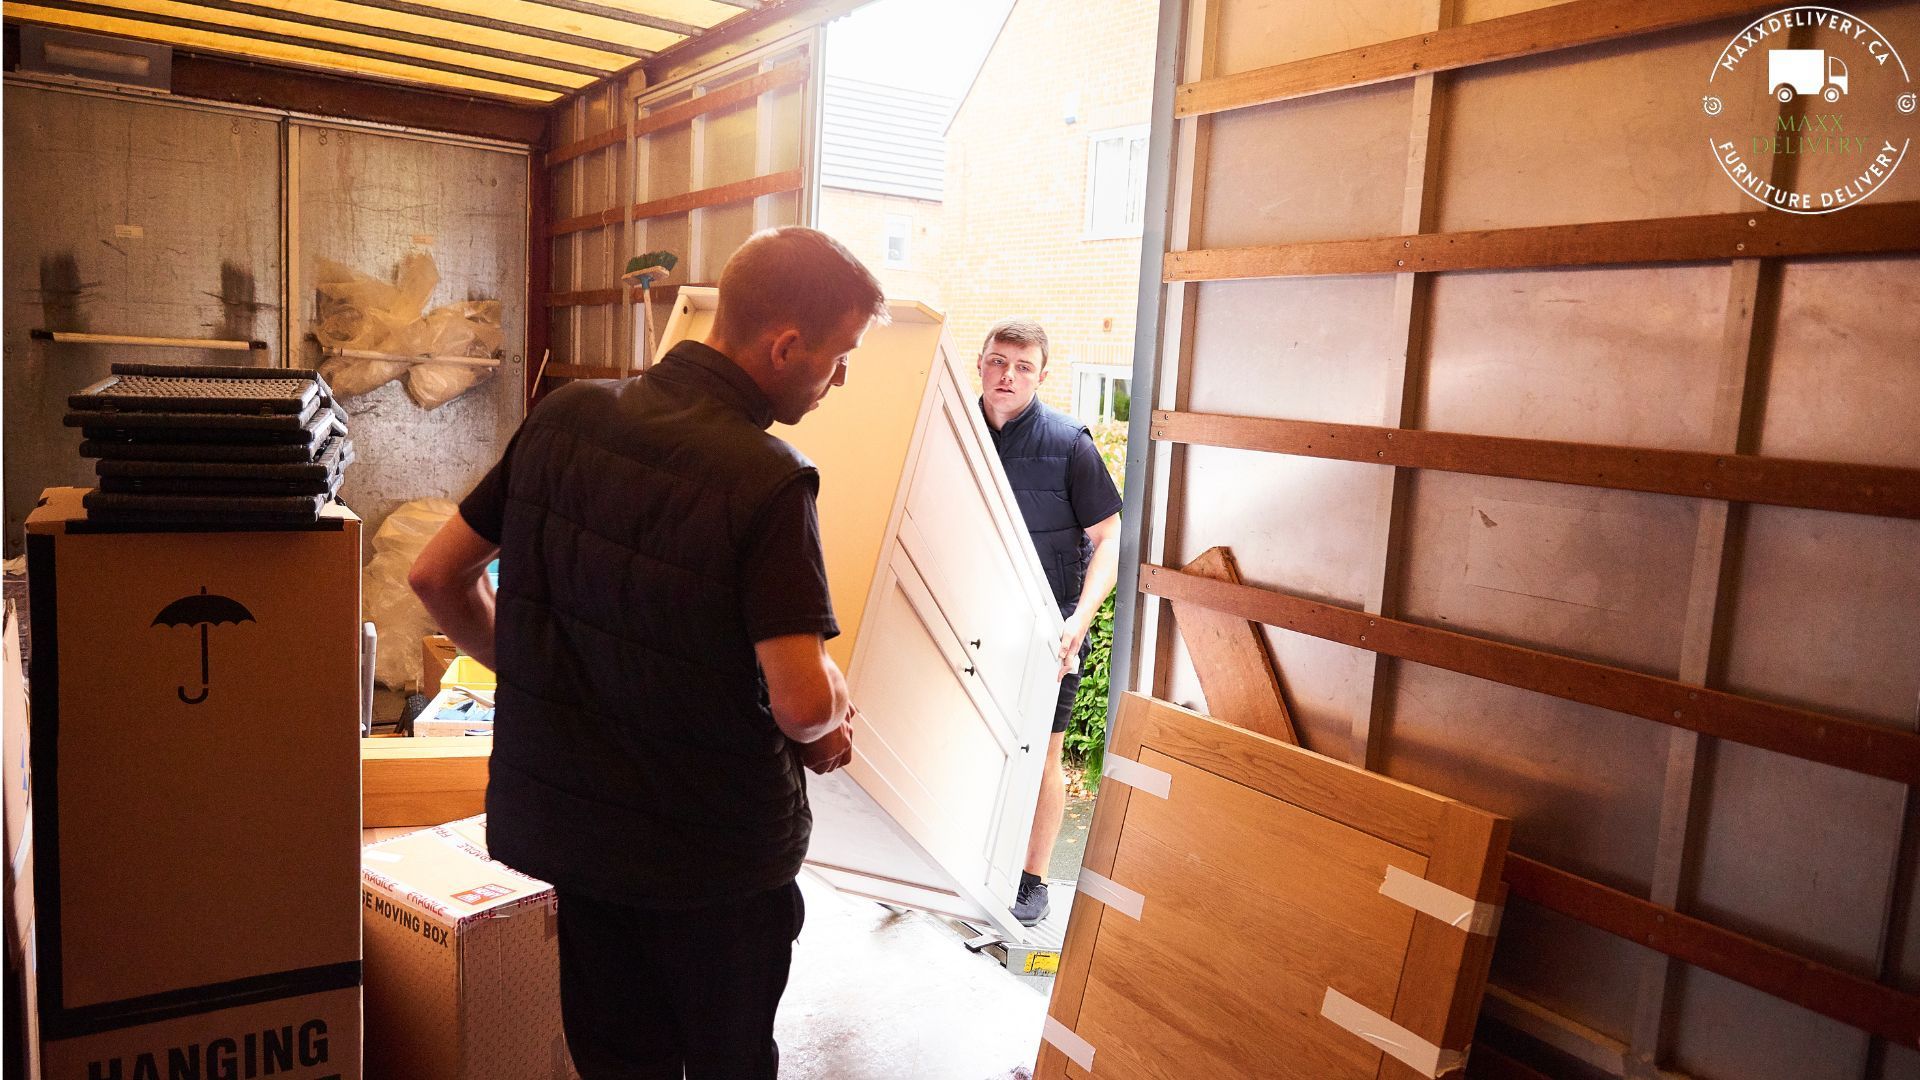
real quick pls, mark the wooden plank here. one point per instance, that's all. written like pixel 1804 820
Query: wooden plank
pixel 405 782
pixel 584 371
pixel 1847 744
pixel 1884 490
pixel 1707 585
pixel 738 191
pixel 586 298
pixel 581 223
pixel 1850 999
pixel 1527 33
pixel 613 136
pixel 1230 658
pixel 1400 405
pixel 1863 229
pixel 271 87
pixel 788 74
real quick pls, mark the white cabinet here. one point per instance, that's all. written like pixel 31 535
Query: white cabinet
pixel 947 628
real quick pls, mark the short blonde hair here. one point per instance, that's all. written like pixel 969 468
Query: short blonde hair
pixel 1017 332
pixel 794 277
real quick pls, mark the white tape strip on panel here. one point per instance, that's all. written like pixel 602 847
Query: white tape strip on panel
pixel 1111 893
pixel 1441 902
pixel 1392 1039
pixel 1078 1050
pixel 1137 776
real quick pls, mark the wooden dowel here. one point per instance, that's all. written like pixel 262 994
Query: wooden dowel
pixel 402 358
pixel 69 337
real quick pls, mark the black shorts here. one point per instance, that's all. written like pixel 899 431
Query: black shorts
pixel 1070 685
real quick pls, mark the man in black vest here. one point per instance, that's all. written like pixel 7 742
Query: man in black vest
pixel 660 637
pixel 1072 513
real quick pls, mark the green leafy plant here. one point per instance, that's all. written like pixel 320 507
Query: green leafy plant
pixel 1085 743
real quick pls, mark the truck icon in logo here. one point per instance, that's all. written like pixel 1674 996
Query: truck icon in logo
pixel 203 611
pixel 1805 71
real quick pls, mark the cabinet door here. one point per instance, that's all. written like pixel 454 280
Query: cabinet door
pixel 974 568
pixel 920 815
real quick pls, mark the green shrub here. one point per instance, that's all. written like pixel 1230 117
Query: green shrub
pixel 1085 744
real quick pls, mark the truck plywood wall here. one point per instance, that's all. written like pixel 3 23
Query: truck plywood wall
pixel 126 217
pixel 692 167
pixel 1803 356
pixel 366 200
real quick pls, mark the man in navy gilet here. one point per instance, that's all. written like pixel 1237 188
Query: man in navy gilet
pixel 660 636
pixel 1072 513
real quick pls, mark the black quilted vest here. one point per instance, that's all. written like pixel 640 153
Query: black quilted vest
pixel 1034 448
pixel 634 755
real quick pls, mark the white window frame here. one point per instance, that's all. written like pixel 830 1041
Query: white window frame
pixel 1102 409
pixel 1130 134
pixel 905 223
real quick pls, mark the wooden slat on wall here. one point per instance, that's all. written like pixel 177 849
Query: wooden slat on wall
pixel 1867 228
pixel 1848 744
pixel 1863 1003
pixel 739 191
pixel 785 75
pixel 1561 26
pixel 1810 485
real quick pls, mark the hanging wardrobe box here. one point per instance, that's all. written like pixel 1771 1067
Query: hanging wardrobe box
pixel 947 627
pixel 196 805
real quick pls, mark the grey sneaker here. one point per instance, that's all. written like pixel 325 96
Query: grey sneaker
pixel 1031 905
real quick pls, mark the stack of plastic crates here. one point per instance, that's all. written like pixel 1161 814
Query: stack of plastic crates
pixel 211 446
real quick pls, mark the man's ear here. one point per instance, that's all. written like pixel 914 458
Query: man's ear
pixel 780 349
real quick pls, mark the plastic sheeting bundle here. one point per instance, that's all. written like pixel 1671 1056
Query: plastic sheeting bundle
pixel 377 331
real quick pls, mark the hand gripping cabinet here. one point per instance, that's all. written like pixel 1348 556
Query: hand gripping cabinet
pixel 947 628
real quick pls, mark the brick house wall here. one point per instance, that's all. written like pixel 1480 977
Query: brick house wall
pixel 858 219
pixel 1016 185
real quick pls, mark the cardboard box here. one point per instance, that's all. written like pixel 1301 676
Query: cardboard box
pixel 455 711
pixel 436 655
pixel 196 698
pixel 463 962
pixel 419 783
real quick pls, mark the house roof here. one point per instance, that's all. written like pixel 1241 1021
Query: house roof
pixel 884 139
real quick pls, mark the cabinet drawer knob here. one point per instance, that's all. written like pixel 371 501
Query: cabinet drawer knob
pixel 975 643
pixel 1026 748
pixel 969 669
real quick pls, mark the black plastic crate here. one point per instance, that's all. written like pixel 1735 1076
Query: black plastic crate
pixel 185 390
pixel 334 455
pixel 116 508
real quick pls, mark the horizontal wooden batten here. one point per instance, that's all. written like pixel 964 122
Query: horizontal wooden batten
pixel 596 220
pixel 1884 490
pixel 613 136
pixel 788 74
pixel 1868 228
pixel 1870 1006
pixel 1847 744
pixel 585 298
pixel 1549 29
pixel 733 94
pixel 739 191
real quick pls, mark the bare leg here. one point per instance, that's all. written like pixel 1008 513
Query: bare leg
pixel 1047 812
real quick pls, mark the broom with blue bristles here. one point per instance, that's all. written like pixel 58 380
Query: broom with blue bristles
pixel 644 270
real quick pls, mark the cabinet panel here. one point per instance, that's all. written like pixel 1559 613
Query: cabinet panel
pixel 967 561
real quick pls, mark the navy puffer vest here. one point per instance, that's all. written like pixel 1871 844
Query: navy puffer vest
pixel 1034 449
pixel 635 757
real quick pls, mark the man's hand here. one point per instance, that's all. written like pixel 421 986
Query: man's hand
pixel 833 750
pixel 1071 638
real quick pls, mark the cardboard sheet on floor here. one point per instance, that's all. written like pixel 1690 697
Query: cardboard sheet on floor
pixel 1255 938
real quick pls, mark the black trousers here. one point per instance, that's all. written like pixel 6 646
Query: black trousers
pixel 653 995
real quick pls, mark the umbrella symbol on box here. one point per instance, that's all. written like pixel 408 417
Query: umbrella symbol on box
pixel 202 611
